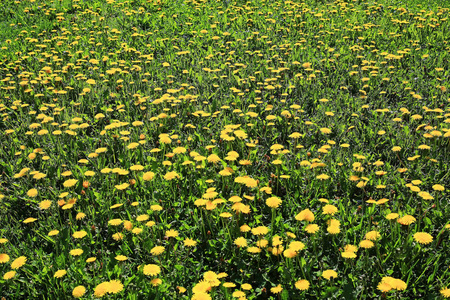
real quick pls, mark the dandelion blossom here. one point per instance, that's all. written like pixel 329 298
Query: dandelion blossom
pixel 79 291
pixel 312 228
pixel 445 293
pixel 9 275
pixel 45 204
pixel 277 289
pixel 151 270
pixel 70 182
pixel 101 289
pixel 329 209
pixel 79 234
pixel 366 244
pixel 348 254
pixel 157 250
pixel 372 235
pixel 305 215
pixel 60 273
pixel 406 220
pixel 240 242
pixel 273 202
pixel 76 252
pixel 18 262
pixel 302 285
pixel 121 258
pixel 4 258
pixel 115 286
pixel 423 238
pixel 188 242
pixel 32 193
pixel 328 274
pixel 148 176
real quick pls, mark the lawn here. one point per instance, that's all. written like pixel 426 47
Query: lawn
pixel 224 149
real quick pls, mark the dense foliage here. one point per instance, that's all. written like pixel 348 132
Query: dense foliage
pixel 224 149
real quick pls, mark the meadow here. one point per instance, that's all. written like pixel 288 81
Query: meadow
pixel 197 149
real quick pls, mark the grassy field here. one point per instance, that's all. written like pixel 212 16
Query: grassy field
pixel 224 149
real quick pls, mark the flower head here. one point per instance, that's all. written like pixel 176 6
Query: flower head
pixel 4 258
pixel 445 292
pixel 302 284
pixel 329 209
pixel 328 274
pixel 305 215
pixel 79 291
pixel 240 242
pixel 9 275
pixel 115 286
pixel 18 262
pixel 151 270
pixel 273 202
pixel 157 250
pixel 277 289
pixel 423 238
pixel 60 273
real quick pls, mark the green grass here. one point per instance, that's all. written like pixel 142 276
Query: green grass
pixel 192 125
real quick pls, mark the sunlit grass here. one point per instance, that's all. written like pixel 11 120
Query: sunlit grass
pixel 224 150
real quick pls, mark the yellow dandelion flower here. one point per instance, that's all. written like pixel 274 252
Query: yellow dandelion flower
pixel 445 292
pixel 312 228
pixel 260 230
pixel 366 244
pixel 32 193
pixel 79 234
pixel 53 232
pixel 148 176
pixel 329 209
pixel 118 236
pixel 76 252
pixel 423 238
pixel 115 222
pixel 438 187
pixel 18 262
pixel 78 291
pixel 322 177
pixel 171 175
pixel 157 250
pixel 70 182
pixel 372 235
pixel 29 220
pixel 348 254
pixel 171 233
pixel 302 285
pixel 238 294
pixel 188 242
pixel 80 216
pixel 115 286
pixel 328 274
pixel 277 289
pixel 406 220
pixel 333 229
pixel 101 289
pixel 392 216
pixel 4 258
pixel 9 275
pixel 305 215
pixel 273 202
pixel 45 204
pixel 60 273
pixel 240 242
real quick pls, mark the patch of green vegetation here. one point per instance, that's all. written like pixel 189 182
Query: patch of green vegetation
pixel 224 149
